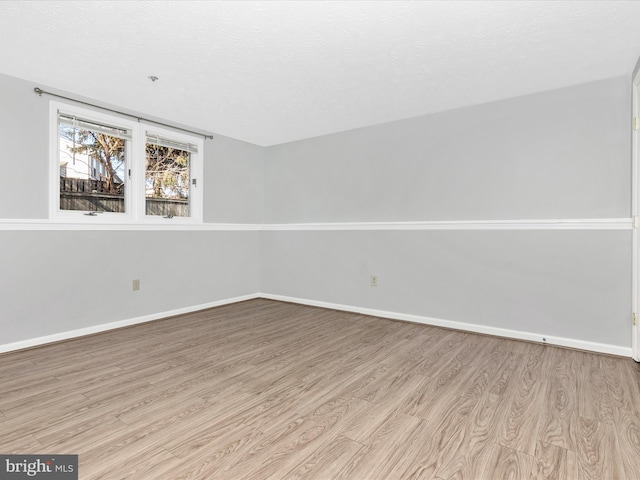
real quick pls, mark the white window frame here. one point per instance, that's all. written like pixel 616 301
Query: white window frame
pixel 134 190
pixel 195 173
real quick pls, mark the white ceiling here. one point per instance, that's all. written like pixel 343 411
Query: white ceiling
pixel 273 72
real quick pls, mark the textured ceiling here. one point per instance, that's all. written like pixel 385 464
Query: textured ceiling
pixel 273 72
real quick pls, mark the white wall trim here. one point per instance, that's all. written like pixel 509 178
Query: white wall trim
pixel 559 224
pixel 470 327
pixel 56 337
pixel 22 224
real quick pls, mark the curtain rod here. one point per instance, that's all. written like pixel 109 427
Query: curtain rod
pixel 39 91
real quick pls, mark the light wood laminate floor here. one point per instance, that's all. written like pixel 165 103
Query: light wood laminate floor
pixel 263 389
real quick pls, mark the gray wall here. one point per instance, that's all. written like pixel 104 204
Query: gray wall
pixel 234 176
pixel 563 154
pixel 570 284
pixel 56 281
pixel 558 154
pixel 24 132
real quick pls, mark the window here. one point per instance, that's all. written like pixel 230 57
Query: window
pixel 108 169
pixel 167 177
pixel 93 156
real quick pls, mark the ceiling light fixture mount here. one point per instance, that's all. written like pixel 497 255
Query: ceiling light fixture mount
pixel 153 78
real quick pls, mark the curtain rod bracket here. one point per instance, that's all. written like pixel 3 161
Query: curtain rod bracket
pixel 38 91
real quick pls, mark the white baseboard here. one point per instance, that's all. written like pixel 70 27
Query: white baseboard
pixel 470 327
pixel 535 224
pixel 56 337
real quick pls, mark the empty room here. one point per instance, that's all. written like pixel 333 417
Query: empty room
pixel 319 240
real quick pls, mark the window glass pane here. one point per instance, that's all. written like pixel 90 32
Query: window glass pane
pixel 92 170
pixel 167 181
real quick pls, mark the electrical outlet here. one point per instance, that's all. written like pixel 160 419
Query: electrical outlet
pixel 136 285
pixel 374 280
